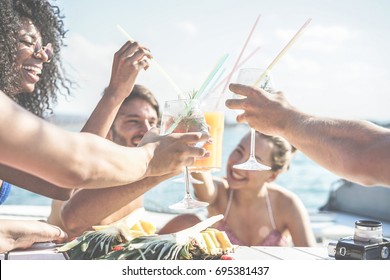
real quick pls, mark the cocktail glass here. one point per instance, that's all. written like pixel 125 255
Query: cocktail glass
pixel 250 76
pixel 182 116
pixel 215 119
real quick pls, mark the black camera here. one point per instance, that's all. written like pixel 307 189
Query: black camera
pixel 367 243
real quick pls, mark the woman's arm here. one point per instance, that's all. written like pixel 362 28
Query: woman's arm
pixel 33 183
pixel 206 191
pixel 128 61
pixel 71 159
pixel 298 222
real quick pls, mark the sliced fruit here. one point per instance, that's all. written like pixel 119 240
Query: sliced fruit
pixel 137 226
pixel 212 249
pixel 100 227
pixel 224 241
pixel 213 237
pixel 148 227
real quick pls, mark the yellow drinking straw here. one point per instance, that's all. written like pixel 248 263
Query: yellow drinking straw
pixel 277 58
pixel 158 66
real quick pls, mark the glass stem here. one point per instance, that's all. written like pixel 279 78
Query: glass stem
pixel 253 143
pixel 187 177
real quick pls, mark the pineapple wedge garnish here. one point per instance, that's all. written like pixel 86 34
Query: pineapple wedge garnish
pixel 195 243
pixel 148 227
pixel 212 248
pixel 223 240
pixel 100 227
pixel 93 244
pixel 198 243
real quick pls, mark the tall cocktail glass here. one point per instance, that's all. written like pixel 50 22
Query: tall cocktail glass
pixel 215 119
pixel 184 115
pixel 250 76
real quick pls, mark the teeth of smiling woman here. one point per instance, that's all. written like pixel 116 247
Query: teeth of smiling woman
pixel 237 176
pixel 35 70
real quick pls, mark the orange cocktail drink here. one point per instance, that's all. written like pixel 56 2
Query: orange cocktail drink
pixel 215 121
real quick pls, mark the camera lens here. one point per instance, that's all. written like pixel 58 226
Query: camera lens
pixel 368 231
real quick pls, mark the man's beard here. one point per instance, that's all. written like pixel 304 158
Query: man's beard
pixel 118 139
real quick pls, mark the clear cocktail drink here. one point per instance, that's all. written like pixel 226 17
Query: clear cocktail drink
pixel 183 116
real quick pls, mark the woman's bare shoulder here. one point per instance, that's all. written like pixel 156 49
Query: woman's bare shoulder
pixel 286 205
pixel 282 195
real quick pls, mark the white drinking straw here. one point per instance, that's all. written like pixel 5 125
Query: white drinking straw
pixel 158 66
pixel 283 51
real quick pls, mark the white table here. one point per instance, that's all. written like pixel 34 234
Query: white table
pixel 46 251
pixel 281 253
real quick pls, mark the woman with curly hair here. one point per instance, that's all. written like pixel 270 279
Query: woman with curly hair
pixel 26 76
pixel 47 23
pixel 45 159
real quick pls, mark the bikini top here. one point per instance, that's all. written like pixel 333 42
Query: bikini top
pixel 4 191
pixel 274 238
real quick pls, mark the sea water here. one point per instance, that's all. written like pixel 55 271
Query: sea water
pixel 308 180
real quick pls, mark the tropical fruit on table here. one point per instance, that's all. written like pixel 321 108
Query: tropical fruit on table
pixel 139 228
pixel 103 238
pixel 197 242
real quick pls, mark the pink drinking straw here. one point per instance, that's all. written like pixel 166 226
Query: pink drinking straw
pixel 238 67
pixel 239 57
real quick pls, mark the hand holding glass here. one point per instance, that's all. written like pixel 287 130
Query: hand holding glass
pixel 250 76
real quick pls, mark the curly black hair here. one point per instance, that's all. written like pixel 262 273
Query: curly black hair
pixel 49 21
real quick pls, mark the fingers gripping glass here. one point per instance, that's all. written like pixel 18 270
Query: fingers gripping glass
pixel 249 76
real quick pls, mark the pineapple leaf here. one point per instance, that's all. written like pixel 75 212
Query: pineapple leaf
pixel 91 245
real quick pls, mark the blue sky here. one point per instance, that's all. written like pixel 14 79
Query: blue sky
pixel 339 67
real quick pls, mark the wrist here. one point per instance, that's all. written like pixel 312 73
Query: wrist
pixel 148 152
pixel 113 96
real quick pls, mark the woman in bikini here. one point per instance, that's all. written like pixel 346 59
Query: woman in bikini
pixel 257 212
